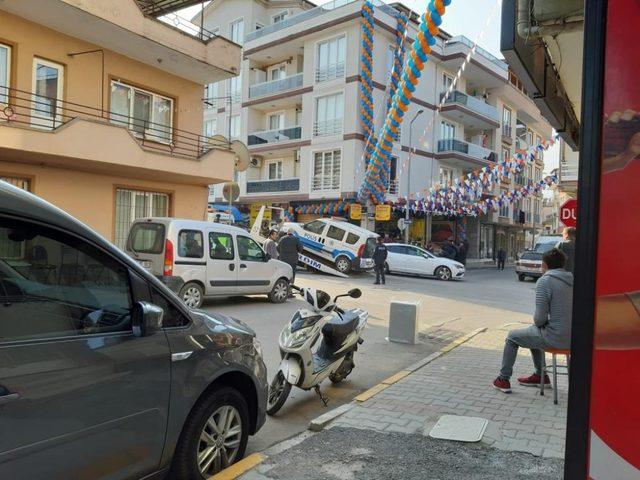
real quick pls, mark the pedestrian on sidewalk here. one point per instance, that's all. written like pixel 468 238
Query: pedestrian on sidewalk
pixel 552 322
pixel 568 246
pixel 502 258
pixel 289 248
pixel 379 258
pixel 463 249
pixel 270 244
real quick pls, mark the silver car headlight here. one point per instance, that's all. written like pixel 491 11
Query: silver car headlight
pixel 295 339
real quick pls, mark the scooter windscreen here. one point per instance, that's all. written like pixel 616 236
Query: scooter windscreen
pixel 303 319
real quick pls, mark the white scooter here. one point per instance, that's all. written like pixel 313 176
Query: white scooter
pixel 341 334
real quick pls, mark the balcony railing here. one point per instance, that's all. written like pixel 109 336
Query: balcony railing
pixel 188 27
pixel 464 40
pixel 330 72
pixel 273 136
pixel 474 104
pixel 40 112
pixel 274 186
pixel 327 128
pixel 275 86
pixel 394 187
pixel 471 149
pixel 506 131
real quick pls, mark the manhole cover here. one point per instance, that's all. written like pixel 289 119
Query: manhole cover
pixel 459 429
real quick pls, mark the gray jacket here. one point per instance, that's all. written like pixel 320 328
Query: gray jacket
pixel 554 301
pixel 271 247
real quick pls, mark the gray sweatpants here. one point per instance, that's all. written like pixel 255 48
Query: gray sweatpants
pixel 530 337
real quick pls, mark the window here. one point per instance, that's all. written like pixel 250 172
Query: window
pixel 249 250
pixel 172 316
pixel 210 128
pixel 235 88
pixel 529 138
pixel 149 115
pixel 234 126
pixel 329 111
pixel 190 244
pixel 221 246
pixel 20 182
pixel 147 238
pixel 277 73
pixel 211 95
pixel 275 170
pixel 393 175
pixel 279 17
pixel 447 131
pixel 317 227
pixel 335 233
pixel 326 170
pixel 538 175
pixel 506 154
pixel 352 238
pixel 506 122
pixel 391 53
pixel 48 83
pixel 275 121
pixel 5 73
pixel 504 209
pixel 330 59
pixel 134 204
pixel 447 81
pixel 236 31
pixel 55 285
pixel 446 175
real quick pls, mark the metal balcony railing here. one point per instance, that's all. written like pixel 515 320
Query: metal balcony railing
pixel 465 41
pixel 472 103
pixel 274 186
pixel 40 112
pixel 471 149
pixel 330 72
pixel 326 183
pixel 506 131
pixel 275 86
pixel 273 136
pixel 327 128
pixel 188 27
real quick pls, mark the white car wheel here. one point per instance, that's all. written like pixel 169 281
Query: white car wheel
pixel 192 295
pixel 443 273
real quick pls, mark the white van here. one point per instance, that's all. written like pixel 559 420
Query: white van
pixel 203 259
pixel 347 246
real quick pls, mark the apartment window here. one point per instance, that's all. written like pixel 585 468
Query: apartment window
pixel 393 175
pixel 48 82
pixel 210 128
pixel 20 182
pixel 277 73
pixel 529 173
pixel 236 31
pixel 235 88
pixel 447 81
pixel 5 73
pixel 326 170
pixel 275 121
pixel 447 131
pixel 134 204
pixel 275 170
pixel 234 126
pixel 330 58
pixel 391 52
pixel 538 175
pixel 211 95
pixel 529 138
pixel 446 175
pixel 149 115
pixel 329 113
pixel 279 17
pixel 506 122
pixel 504 209
pixel 506 154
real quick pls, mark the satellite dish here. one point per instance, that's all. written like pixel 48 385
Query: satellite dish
pixel 230 191
pixel 242 155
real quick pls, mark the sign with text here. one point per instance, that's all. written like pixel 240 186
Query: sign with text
pixel 569 213
pixel 355 211
pixel 383 213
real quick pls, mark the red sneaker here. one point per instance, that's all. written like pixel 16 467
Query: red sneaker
pixel 533 381
pixel 503 385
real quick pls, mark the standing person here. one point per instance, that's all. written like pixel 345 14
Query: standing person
pixel 379 258
pixel 270 245
pixel 288 248
pixel 502 258
pixel 463 248
pixel 568 246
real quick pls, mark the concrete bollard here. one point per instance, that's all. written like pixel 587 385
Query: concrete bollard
pixel 403 322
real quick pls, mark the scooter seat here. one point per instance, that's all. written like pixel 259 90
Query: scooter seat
pixel 336 330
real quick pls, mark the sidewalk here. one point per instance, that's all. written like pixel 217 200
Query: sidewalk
pixel 525 435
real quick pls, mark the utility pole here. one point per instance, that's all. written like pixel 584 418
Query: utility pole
pixel 406 215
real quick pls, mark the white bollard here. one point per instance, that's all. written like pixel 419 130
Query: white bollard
pixel 403 322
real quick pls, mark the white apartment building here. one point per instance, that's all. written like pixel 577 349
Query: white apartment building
pixel 296 104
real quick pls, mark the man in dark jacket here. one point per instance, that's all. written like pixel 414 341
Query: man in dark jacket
pixel 379 258
pixel 568 246
pixel 288 248
pixel 502 258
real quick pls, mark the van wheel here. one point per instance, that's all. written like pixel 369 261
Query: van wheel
pixel 280 291
pixel 192 295
pixel 343 264
pixel 213 437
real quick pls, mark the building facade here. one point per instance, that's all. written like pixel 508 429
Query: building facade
pixel 296 104
pixel 101 111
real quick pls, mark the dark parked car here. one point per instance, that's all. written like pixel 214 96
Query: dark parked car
pixel 104 372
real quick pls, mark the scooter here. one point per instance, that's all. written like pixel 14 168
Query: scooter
pixel 304 368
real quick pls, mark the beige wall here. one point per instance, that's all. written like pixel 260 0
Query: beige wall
pixel 91 198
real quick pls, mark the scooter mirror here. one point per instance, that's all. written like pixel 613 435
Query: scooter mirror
pixel 355 293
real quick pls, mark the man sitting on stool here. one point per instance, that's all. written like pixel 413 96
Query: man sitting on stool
pixel 552 322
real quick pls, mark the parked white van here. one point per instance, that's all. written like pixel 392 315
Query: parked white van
pixel 347 246
pixel 204 259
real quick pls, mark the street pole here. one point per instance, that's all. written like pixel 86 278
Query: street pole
pixel 406 213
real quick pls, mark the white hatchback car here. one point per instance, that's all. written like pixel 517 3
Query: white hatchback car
pixel 414 260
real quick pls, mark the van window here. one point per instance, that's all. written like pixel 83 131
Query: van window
pixel 190 244
pixel 221 246
pixel 172 316
pixel 352 238
pixel 369 247
pixel 316 226
pixel 146 238
pixel 249 250
pixel 335 233
pixel 55 285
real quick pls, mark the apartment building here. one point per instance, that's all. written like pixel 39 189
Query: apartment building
pixel 101 109
pixel 296 103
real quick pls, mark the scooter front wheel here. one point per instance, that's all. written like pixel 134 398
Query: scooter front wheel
pixel 278 393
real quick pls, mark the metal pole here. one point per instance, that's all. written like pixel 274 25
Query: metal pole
pixel 406 213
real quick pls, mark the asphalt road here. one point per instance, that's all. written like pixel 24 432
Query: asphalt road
pixel 448 310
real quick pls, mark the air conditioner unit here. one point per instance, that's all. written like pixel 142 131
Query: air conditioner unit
pixel 255 162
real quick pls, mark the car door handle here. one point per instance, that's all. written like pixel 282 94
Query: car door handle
pixel 243 265
pixel 6 396
pixel 232 266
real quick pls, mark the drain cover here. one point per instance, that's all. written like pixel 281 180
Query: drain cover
pixel 458 428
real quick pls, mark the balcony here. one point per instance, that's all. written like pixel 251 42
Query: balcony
pixel 470 111
pixel 327 128
pixel 274 186
pixel 484 70
pixel 274 136
pixel 330 72
pixel 452 149
pixel 43 130
pixel 275 86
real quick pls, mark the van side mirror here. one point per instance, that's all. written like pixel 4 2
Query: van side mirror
pixel 355 293
pixel 146 318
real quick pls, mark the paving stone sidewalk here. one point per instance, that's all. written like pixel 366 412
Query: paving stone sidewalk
pixel 459 383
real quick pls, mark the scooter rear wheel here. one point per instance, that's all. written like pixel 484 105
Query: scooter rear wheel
pixel 278 393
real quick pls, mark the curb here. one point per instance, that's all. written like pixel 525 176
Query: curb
pixel 237 469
